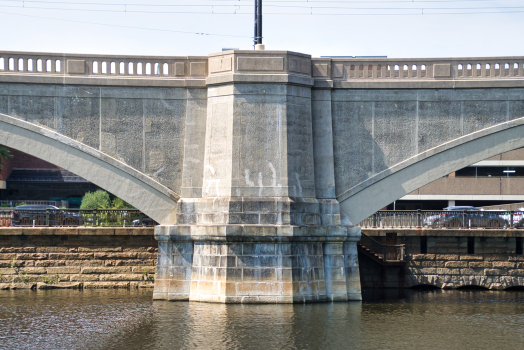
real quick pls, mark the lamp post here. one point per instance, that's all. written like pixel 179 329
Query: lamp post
pixel 258 25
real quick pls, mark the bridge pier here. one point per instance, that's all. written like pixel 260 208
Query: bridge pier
pixel 267 227
pixel 255 269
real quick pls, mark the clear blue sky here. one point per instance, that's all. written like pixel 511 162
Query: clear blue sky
pixel 396 28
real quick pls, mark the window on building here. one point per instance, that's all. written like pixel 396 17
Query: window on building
pixel 491 171
pixel 470 171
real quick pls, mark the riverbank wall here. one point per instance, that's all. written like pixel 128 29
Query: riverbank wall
pixel 77 257
pixel 448 259
pixel 126 258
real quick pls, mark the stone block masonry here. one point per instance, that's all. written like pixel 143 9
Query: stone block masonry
pixel 77 258
pixel 450 259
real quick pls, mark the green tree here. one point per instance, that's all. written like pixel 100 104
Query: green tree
pixel 119 203
pixel 96 200
pixel 4 155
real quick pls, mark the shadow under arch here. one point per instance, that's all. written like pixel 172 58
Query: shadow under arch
pixel 137 189
pixel 515 288
pixel 423 286
pixel 472 287
pixel 362 200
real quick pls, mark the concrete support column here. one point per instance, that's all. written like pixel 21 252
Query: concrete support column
pixel 267 227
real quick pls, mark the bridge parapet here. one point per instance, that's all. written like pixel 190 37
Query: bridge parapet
pixel 189 71
pixel 192 71
pixel 355 72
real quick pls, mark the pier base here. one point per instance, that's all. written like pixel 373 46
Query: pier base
pixel 257 264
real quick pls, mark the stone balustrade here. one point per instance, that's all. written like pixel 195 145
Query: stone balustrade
pixel 390 68
pixel 189 67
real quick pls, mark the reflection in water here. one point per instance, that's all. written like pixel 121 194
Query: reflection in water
pixel 387 319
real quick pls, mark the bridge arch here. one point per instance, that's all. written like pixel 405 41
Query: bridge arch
pixel 403 178
pixel 139 190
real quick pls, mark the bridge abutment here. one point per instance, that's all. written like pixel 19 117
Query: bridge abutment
pixel 267 228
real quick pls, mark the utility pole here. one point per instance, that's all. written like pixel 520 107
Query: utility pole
pixel 258 25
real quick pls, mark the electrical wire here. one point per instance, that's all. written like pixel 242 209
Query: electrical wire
pixel 129 27
pixel 247 1
pixel 235 3
pixel 309 13
pixel 236 9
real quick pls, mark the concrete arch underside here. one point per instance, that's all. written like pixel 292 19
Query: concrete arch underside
pixel 403 178
pixel 139 190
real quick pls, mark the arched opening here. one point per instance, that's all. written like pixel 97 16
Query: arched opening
pixel 424 287
pixel 471 287
pixel 144 193
pixel 515 288
pixel 407 176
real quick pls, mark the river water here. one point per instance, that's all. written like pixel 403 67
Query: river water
pixel 118 319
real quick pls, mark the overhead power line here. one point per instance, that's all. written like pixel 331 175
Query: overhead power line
pixel 310 11
pixel 233 2
pixel 129 27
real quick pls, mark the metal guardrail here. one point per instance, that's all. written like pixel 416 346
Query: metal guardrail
pixel 383 251
pixel 445 219
pixel 74 217
pixel 14 203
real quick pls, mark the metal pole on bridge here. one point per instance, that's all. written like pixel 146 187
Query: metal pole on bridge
pixel 258 25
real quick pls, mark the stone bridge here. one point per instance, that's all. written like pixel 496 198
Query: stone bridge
pixel 257 163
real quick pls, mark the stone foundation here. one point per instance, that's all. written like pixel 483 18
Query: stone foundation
pixel 77 258
pixel 267 268
pixel 451 271
pixel 453 259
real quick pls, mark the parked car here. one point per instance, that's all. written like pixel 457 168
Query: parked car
pixel 25 215
pixel 466 216
pixel 145 221
pixel 518 216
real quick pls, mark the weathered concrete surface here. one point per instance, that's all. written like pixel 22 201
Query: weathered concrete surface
pixel 142 127
pixel 146 194
pixel 402 178
pixel 260 234
pixel 50 258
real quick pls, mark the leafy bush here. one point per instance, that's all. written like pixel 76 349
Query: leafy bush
pixel 96 200
pixel 119 203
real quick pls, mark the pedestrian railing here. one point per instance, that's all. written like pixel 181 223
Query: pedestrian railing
pixel 445 219
pixel 384 252
pixel 74 217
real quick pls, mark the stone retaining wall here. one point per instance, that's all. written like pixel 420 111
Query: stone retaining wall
pixel 77 258
pixel 449 271
pixel 495 263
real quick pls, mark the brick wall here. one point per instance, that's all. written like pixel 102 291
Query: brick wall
pixel 77 258
pixel 22 160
